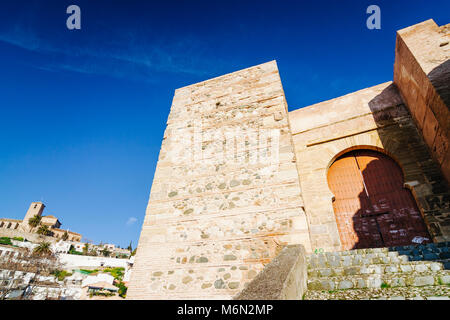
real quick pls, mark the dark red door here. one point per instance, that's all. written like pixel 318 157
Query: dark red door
pixel 372 207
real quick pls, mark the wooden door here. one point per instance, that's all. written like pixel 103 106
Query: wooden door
pixel 371 206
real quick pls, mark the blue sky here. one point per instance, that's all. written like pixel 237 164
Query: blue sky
pixel 83 111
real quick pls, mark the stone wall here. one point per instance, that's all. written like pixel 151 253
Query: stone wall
pixel 11 224
pixel 220 209
pixel 33 237
pixel 422 74
pixel 216 217
pixel 78 261
pixel 284 278
pixel 374 118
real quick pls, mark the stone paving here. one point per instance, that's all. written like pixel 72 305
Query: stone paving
pixel 407 272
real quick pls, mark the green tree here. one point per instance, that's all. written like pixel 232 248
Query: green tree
pixel 34 221
pixel 73 251
pixel 105 252
pixel 122 289
pixel 43 249
pixel 61 274
pixel 44 230
pixel 5 241
pixel 65 236
pixel 86 249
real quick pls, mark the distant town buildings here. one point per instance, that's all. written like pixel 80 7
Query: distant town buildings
pixel 50 223
pixel 70 274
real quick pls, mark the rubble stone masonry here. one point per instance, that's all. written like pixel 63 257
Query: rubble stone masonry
pixel 217 216
pixel 230 191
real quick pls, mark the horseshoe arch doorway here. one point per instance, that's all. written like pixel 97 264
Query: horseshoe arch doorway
pixel 372 207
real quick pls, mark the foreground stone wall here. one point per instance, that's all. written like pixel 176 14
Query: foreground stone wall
pixel 374 118
pixel 422 74
pixel 214 220
pixel 284 278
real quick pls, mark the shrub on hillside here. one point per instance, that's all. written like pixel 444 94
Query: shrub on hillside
pixel 5 241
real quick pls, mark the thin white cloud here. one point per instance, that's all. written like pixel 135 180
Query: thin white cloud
pixel 135 58
pixel 131 221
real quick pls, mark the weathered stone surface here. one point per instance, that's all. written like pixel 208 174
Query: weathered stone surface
pixel 345 284
pixel 209 216
pixel 233 285
pixel 202 260
pixel 400 293
pixel 424 281
pixel 387 281
pixel 187 279
pixel 445 279
pixel 202 200
pixel 229 257
pixel 422 73
pixel 219 284
pixel 206 285
pixel 284 278
pixel 438 298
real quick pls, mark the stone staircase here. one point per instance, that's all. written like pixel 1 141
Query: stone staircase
pixel 419 272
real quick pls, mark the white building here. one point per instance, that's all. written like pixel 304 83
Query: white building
pixel 61 246
pixel 101 277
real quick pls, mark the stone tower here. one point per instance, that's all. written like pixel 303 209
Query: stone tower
pixel 225 195
pixel 36 208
